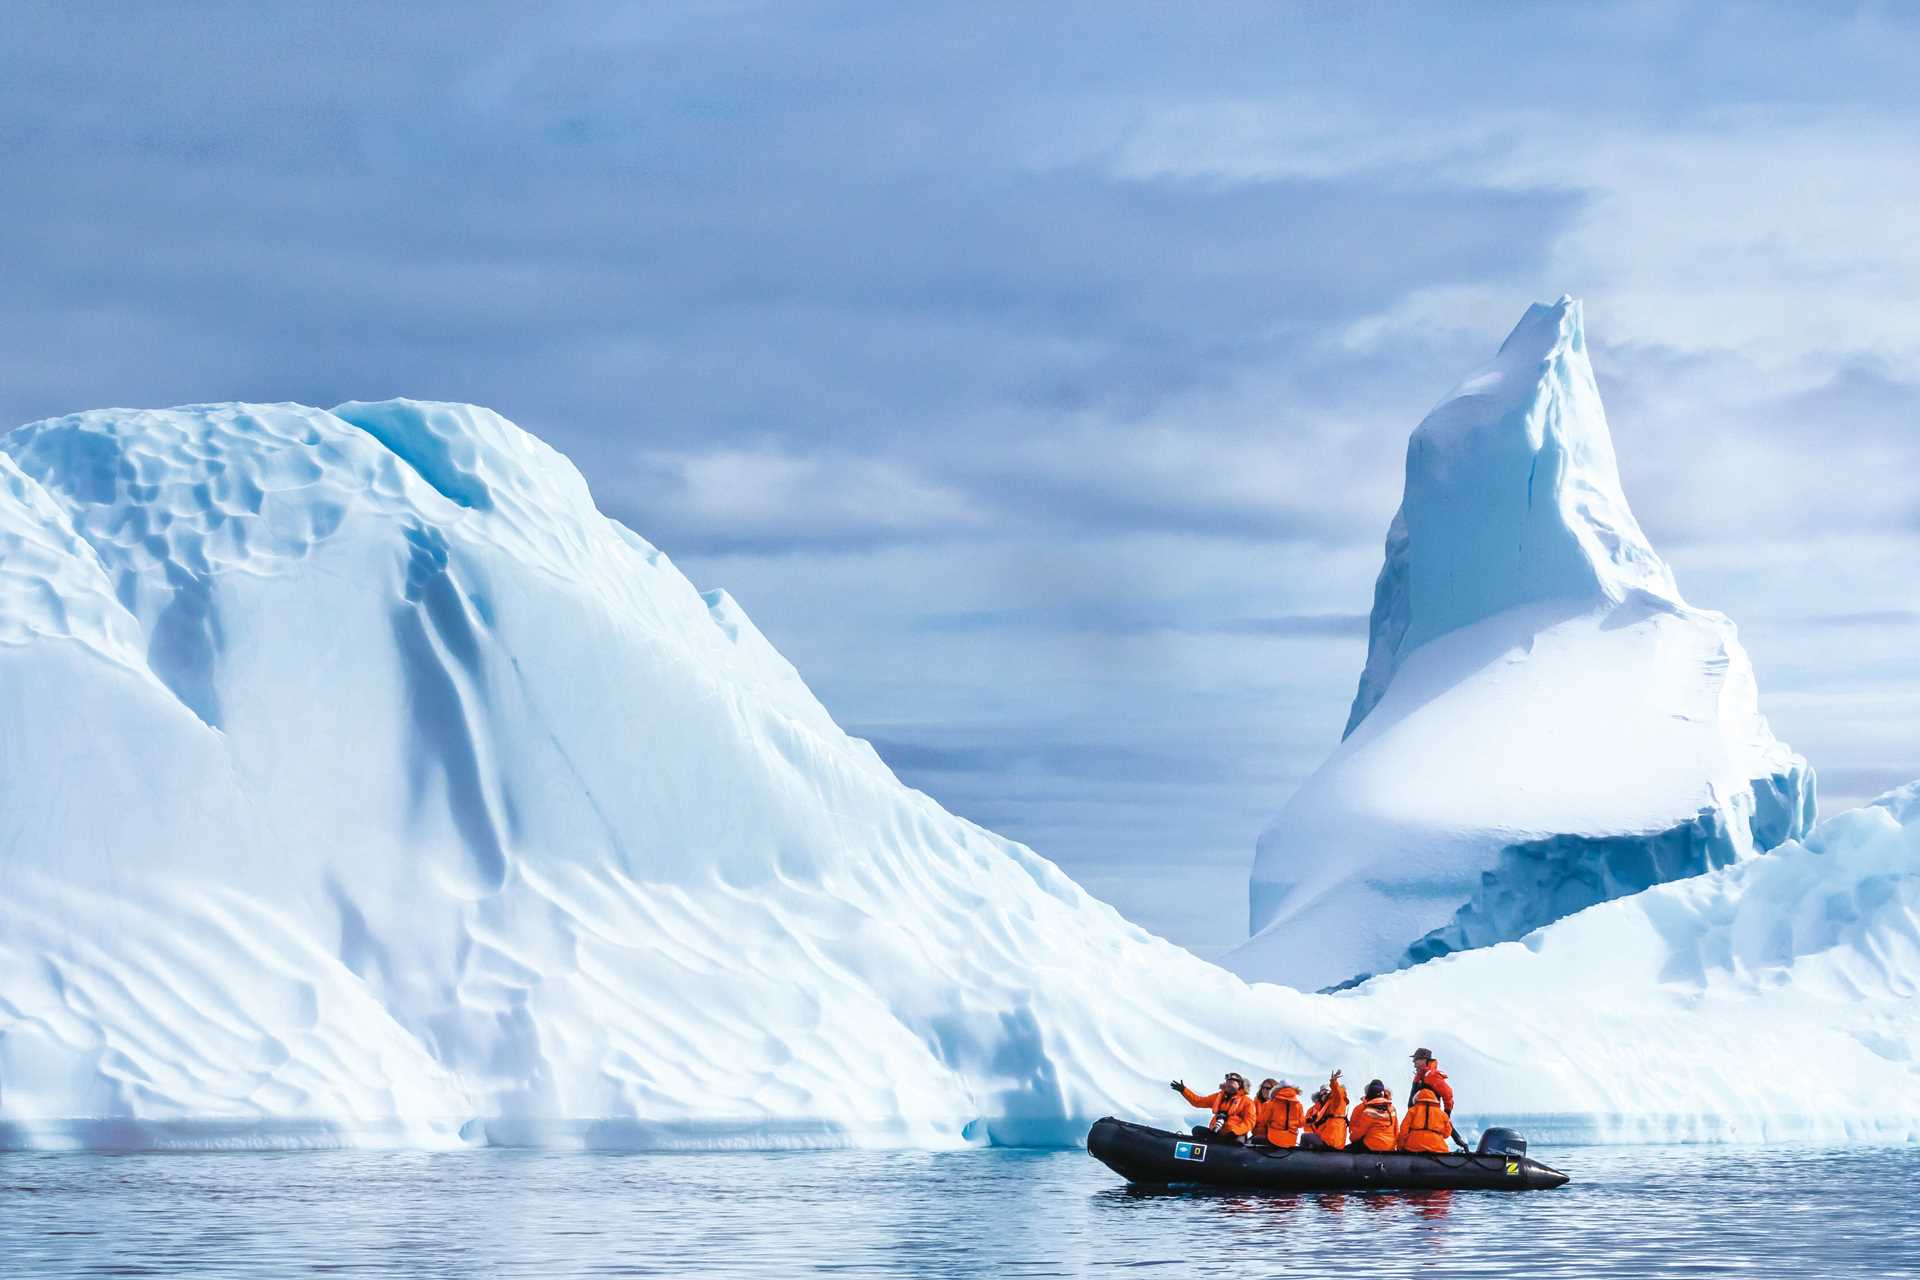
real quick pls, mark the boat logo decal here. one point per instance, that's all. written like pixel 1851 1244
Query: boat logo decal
pixel 1189 1151
pixel 1513 1166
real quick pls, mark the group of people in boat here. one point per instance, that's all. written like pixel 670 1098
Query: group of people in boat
pixel 1275 1115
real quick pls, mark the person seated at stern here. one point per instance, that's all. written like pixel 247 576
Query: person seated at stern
pixel 1428 1126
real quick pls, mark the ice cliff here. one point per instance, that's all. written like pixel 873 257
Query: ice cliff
pixel 361 783
pixel 1543 723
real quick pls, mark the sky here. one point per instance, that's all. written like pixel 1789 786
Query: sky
pixel 1038 377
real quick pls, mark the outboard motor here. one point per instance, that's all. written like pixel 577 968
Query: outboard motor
pixel 1502 1142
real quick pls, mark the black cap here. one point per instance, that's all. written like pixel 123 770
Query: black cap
pixel 1418 1054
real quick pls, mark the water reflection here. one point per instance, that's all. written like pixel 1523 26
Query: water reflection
pixel 1629 1213
pixel 1430 1205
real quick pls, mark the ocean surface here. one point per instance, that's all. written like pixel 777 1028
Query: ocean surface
pixel 1666 1211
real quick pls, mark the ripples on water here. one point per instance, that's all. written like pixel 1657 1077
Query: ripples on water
pixel 1674 1211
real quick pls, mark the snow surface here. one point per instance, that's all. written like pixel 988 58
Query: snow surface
pixel 1543 722
pixel 361 783
pixel 1738 1004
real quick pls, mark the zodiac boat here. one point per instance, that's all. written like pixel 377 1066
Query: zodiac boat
pixel 1156 1157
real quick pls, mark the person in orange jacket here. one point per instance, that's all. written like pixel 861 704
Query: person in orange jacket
pixel 1428 1075
pixel 1278 1114
pixel 1373 1126
pixel 1233 1110
pixel 1327 1118
pixel 1428 1126
pixel 1262 1101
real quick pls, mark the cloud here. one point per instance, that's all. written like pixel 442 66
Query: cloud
pixel 1861 783
pixel 1110 619
pixel 1684 235
pixel 1082 762
pixel 655 239
pixel 1868 618
pixel 734 498
pixel 1298 625
pixel 1034 374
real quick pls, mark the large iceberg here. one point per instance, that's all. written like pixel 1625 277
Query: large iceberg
pixel 361 783
pixel 1543 723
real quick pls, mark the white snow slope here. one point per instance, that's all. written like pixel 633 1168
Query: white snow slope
pixel 1543 722
pixel 360 783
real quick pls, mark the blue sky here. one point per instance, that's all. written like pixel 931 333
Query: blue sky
pixel 1037 376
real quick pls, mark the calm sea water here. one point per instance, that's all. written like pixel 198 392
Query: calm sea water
pixel 1674 1211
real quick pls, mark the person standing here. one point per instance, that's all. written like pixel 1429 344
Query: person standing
pixel 1428 1075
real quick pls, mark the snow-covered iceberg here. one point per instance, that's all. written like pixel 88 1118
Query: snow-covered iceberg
pixel 1774 999
pixel 361 783
pixel 1543 722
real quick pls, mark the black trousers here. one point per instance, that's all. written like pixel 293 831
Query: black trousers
pixel 1213 1135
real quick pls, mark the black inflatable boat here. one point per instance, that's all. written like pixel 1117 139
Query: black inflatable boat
pixel 1155 1157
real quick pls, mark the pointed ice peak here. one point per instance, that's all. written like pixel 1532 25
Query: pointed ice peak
pixel 1512 497
pixel 1545 353
pixel 1547 327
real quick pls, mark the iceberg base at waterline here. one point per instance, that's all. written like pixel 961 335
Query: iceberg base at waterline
pixel 1734 1006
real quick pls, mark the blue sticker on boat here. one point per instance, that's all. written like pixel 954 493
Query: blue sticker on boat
pixel 1189 1151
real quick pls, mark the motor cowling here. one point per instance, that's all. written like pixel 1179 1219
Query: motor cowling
pixel 1502 1142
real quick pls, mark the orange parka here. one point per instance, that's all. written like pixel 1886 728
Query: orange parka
pixel 1427 1126
pixel 1280 1117
pixel 1432 1077
pixel 1230 1115
pixel 1329 1118
pixel 1374 1125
